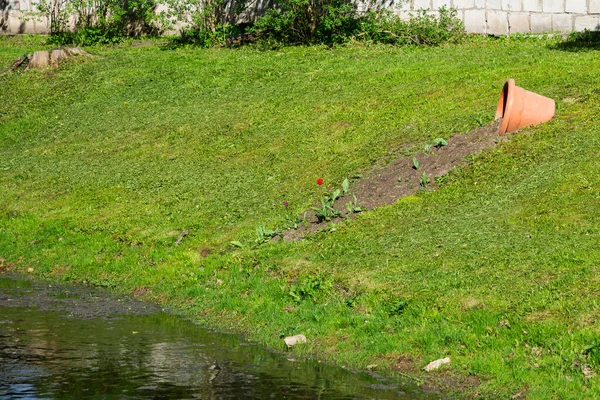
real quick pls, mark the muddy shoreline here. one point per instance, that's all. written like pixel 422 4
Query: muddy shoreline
pixel 60 340
pixel 19 290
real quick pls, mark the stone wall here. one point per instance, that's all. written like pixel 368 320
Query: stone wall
pixel 501 17
pixel 492 17
pixel 12 19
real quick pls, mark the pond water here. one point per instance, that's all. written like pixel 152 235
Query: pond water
pixel 80 343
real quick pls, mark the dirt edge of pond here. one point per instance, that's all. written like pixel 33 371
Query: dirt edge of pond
pixel 403 177
pixel 80 301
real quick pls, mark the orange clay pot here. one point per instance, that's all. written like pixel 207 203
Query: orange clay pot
pixel 519 108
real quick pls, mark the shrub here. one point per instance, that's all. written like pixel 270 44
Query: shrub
pixel 205 22
pixel 337 21
pixel 308 22
pixel 421 29
pixel 85 22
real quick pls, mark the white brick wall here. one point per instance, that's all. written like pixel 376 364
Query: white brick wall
pixel 553 6
pixel 502 17
pixel 541 23
pixel 532 5
pixel 474 20
pixel 464 4
pixel 437 4
pixel 512 5
pixel 497 22
pixel 591 22
pixel 576 6
pixel 419 4
pixel 518 22
pixel 562 23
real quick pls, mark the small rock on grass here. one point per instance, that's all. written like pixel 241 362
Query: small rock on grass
pixel 294 340
pixel 436 364
pixel 587 371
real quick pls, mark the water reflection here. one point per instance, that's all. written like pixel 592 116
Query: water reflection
pixel 49 354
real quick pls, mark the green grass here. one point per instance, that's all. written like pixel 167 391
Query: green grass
pixel 105 162
pixel 12 47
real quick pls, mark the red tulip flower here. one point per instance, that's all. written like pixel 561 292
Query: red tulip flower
pixel 319 181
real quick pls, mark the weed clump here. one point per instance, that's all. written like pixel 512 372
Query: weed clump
pixel 310 22
pixel 297 22
pixel 85 23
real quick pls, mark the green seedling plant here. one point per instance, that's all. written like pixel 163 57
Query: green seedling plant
pixel 327 212
pixel 353 207
pixel 439 142
pixel 424 180
pixel 345 186
pixel 415 163
pixel 294 222
pixel 310 288
pixel 263 234
pixel 395 307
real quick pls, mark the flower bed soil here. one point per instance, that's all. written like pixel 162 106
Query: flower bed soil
pixel 386 185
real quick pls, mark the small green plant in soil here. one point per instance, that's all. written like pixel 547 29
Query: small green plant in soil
pixel 294 222
pixel 345 187
pixel 395 306
pixel 263 234
pixel 238 244
pixel 310 288
pixel 439 142
pixel 425 180
pixel 353 207
pixel 415 163
pixel 327 212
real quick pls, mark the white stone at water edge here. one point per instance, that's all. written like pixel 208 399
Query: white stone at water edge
pixel 436 364
pixel 294 340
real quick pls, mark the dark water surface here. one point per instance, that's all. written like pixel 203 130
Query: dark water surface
pixel 59 342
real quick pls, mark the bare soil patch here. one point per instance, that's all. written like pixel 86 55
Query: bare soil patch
pixel 386 185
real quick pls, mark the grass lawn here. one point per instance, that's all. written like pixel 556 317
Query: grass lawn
pixel 137 168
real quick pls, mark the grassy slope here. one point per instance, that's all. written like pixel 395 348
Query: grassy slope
pixel 104 163
pixel 13 47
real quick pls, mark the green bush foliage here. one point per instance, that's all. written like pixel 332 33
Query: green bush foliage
pixel 87 22
pixel 338 21
pixel 205 23
pixel 421 29
pixel 308 22
pixel 209 23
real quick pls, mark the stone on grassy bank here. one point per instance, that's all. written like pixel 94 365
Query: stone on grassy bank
pixel 436 364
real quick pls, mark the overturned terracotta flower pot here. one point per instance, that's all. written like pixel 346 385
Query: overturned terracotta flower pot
pixel 519 108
